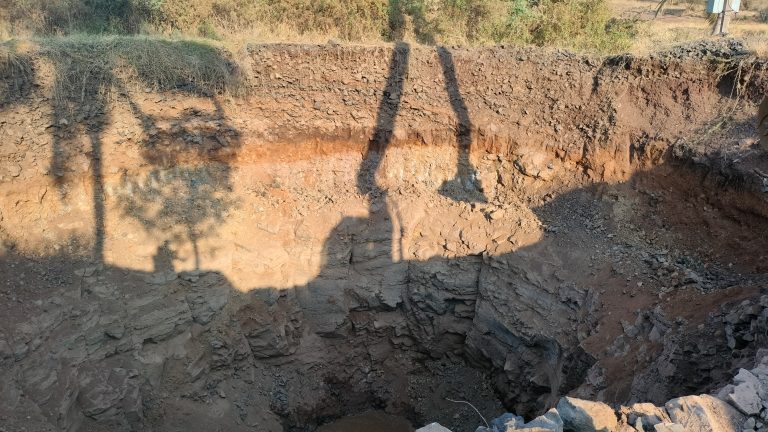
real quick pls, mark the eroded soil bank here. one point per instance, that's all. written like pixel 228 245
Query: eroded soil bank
pixel 377 228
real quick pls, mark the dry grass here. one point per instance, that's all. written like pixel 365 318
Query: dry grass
pixel 576 24
pixel 181 59
pixel 654 36
pixel 88 66
pixel 686 20
pixel 15 70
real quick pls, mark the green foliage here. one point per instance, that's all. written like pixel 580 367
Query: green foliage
pixel 580 24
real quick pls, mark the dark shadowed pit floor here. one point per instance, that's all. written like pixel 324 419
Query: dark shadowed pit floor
pixel 371 421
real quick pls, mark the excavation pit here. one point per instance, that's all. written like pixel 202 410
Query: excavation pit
pixel 358 233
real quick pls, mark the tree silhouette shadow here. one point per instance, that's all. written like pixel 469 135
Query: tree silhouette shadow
pixel 179 197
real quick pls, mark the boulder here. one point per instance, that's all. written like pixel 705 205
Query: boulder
pixel 585 416
pixel 272 330
pixel 704 413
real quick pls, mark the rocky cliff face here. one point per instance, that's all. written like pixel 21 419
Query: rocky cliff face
pixel 376 227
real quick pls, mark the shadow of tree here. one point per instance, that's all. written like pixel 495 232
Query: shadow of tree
pixel 80 16
pixel 180 203
pixel 90 75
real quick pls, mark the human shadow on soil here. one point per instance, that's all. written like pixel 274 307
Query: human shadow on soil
pixel 389 106
pixel 364 269
pixel 464 187
pixel 405 16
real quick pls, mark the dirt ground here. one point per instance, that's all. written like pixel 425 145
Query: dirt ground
pixel 683 21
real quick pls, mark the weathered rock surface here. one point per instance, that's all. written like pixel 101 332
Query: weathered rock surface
pixel 745 393
pixel 704 413
pixel 582 416
pixel 548 422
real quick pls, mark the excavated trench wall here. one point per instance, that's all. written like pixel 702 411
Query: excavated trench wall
pixel 366 227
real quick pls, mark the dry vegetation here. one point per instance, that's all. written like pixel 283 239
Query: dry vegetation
pixel 577 24
pixel 180 43
pixel 97 68
pixel 686 20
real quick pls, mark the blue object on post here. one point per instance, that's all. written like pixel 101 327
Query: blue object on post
pixel 716 6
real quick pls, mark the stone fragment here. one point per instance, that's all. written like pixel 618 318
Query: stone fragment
pixel 497 214
pixel 535 164
pixel 648 413
pixel 746 393
pixel 115 331
pixel 550 421
pixel 750 423
pixel 723 393
pixel 507 421
pixel 669 427
pixel 585 416
pixel 111 396
pixel 433 427
pixel 629 329
pixel 704 413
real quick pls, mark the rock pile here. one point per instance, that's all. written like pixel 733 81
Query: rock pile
pixel 738 407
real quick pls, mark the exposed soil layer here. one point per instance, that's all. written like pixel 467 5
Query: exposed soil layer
pixel 377 228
